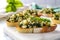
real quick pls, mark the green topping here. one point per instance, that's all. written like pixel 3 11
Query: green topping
pixel 31 12
pixel 48 10
pixel 27 20
pixel 57 16
pixel 35 22
pixel 39 19
pixel 13 18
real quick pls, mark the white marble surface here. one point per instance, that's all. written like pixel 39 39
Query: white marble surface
pixel 1 30
pixel 2 35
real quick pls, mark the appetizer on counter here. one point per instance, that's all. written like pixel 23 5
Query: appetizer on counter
pixel 56 18
pixel 29 21
pixel 18 17
pixel 49 12
pixel 33 12
pixel 12 20
pixel 35 24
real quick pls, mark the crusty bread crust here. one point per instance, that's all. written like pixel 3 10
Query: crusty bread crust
pixel 49 15
pixel 48 29
pixel 11 24
pixel 24 30
pixel 56 21
pixel 30 30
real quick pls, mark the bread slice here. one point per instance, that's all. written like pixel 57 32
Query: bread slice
pixel 44 29
pixel 11 24
pixel 49 29
pixel 36 30
pixel 24 30
pixel 56 21
pixel 53 27
pixel 49 15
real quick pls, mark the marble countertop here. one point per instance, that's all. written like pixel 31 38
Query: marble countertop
pixel 2 35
